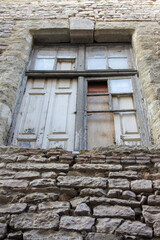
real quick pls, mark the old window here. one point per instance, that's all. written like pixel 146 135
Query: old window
pixel 80 97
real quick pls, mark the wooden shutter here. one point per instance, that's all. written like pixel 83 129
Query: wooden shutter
pixel 126 127
pixel 47 114
pixel 60 120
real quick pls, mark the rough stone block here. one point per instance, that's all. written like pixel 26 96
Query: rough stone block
pixel 104 32
pixel 115 201
pixel 6 173
pixel 136 167
pixel 102 236
pixel 125 174
pixel 154 200
pixel 27 174
pixel 114 193
pixel 98 167
pixel 74 181
pixel 119 183
pixel 3 230
pixel 16 184
pixel 141 186
pixel 83 209
pixel 58 207
pixel 113 211
pixel 49 175
pixel 38 166
pixel 151 214
pixel 15 235
pixel 108 225
pixel 135 228
pixel 43 182
pixel 98 192
pixel 47 220
pixel 77 200
pixel 36 197
pixel 81 30
pixel 13 208
pixel 77 223
pixel 156 227
pixel 129 195
pixel 51 235
pixel 57 31
pixel 32 208
pixel 156 184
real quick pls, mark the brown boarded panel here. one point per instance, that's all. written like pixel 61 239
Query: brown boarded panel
pixel 97 87
pixel 98 103
pixel 100 130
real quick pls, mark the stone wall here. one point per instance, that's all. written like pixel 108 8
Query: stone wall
pixel 134 20
pixel 106 194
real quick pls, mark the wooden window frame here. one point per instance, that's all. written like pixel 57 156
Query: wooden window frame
pixel 83 76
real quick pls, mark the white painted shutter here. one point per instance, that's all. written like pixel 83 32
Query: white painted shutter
pixel 47 114
pixel 126 127
pixel 60 121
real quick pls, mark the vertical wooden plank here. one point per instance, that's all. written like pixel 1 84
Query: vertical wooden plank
pixel 11 132
pixel 126 127
pixel 143 121
pixel 60 122
pixel 80 137
pixel 60 113
pixel 31 118
pixel 100 129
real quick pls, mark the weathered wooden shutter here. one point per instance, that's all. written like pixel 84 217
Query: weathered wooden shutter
pixel 126 127
pixel 60 120
pixel 47 114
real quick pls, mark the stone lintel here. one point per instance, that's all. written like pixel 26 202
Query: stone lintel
pixel 55 35
pixel 81 30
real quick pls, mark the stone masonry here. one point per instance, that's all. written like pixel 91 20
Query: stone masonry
pixel 104 194
pixel 136 21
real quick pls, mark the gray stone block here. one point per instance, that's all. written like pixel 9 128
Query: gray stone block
pixel 77 223
pixel 135 228
pixel 108 225
pixel 141 186
pixel 119 183
pixel 47 220
pixel 82 209
pixel 13 208
pixel 113 211
pixel 58 207
pixel 75 181
pixel 51 235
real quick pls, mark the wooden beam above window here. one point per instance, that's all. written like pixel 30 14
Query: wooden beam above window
pixel 95 73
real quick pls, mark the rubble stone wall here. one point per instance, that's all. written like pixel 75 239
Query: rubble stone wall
pixel 111 194
pixel 20 19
